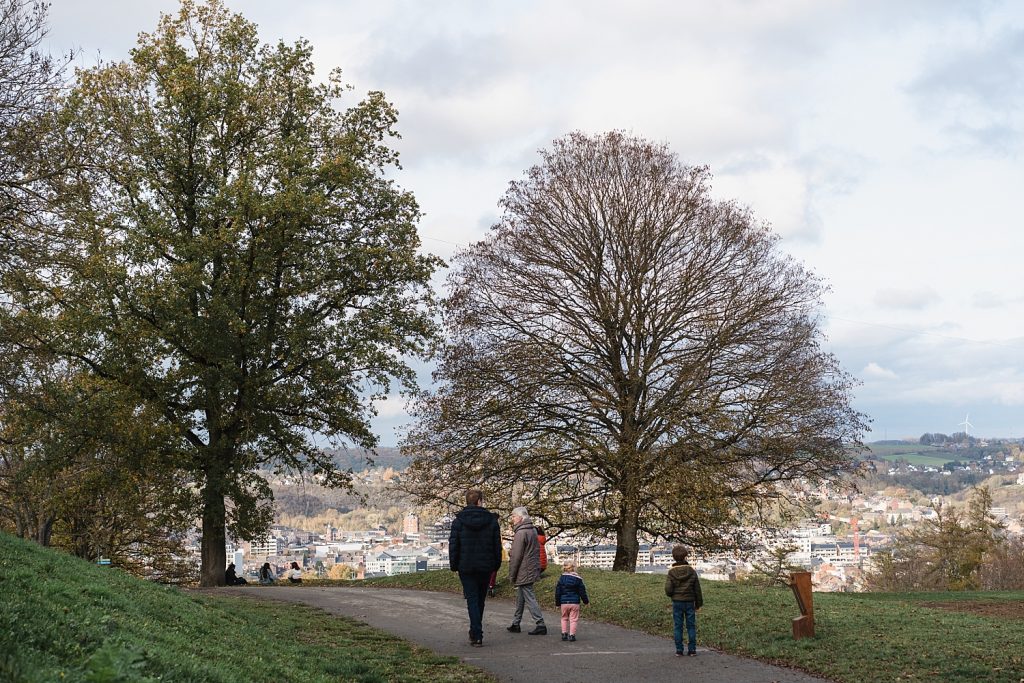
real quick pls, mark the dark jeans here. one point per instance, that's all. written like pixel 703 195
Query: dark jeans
pixel 474 589
pixel 684 609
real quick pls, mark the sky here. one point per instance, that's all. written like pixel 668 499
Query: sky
pixel 881 140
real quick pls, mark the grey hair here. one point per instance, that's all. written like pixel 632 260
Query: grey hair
pixel 521 512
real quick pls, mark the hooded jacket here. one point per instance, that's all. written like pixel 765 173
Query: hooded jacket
pixel 524 557
pixel 474 544
pixel 570 590
pixel 683 584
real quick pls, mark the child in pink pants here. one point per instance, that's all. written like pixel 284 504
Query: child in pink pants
pixel 569 593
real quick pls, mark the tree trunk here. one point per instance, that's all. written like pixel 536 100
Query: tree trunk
pixel 626 543
pixel 214 553
pixel 44 531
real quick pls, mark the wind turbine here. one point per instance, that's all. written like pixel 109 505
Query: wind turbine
pixel 966 425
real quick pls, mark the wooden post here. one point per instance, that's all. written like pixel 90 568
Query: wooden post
pixel 803 626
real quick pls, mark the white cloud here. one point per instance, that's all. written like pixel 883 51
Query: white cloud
pixel 392 406
pixel 880 139
pixel 912 299
pixel 875 371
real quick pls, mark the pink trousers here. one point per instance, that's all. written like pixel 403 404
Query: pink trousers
pixel 570 616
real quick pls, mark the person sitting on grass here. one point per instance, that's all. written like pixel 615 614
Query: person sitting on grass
pixel 295 574
pixel 231 578
pixel 266 574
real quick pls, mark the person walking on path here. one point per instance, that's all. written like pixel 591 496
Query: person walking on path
pixel 524 570
pixel 569 593
pixel 474 551
pixel 683 586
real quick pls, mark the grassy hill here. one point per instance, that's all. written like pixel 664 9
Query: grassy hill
pixel 63 619
pixel 861 637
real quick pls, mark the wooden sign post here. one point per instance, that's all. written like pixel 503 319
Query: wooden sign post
pixel 803 626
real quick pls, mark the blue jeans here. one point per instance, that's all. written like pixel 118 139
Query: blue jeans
pixel 684 609
pixel 474 589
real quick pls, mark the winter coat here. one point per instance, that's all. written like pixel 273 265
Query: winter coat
pixel 683 584
pixel 570 590
pixel 541 540
pixel 474 544
pixel 524 557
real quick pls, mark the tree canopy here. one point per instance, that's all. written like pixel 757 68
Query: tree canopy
pixel 229 251
pixel 625 355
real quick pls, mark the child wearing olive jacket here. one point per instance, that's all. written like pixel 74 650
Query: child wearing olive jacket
pixel 683 586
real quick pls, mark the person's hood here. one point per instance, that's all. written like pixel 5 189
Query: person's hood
pixel 572 574
pixel 681 570
pixel 475 517
pixel 524 525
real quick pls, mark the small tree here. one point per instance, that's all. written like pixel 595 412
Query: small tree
pixel 944 553
pixel 628 356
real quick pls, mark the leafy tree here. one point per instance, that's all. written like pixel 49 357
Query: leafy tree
pixel 341 572
pixel 232 253
pixel 29 81
pixel 626 355
pixel 944 553
pixel 85 469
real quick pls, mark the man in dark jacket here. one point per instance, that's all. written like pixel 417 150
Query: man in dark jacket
pixel 474 551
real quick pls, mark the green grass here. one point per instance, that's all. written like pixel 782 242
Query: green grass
pixel 920 459
pixel 62 619
pixel 859 636
pixel 914 454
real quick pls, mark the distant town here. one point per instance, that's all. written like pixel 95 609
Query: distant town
pixel 903 486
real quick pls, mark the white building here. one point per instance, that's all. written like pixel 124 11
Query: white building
pixel 266 546
pixel 394 561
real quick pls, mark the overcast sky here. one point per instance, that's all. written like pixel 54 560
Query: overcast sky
pixel 882 141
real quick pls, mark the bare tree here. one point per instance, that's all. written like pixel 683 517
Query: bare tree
pixel 626 355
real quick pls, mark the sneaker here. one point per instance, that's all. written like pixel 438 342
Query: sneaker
pixel 565 636
pixel 490 592
pixel 514 628
pixel 691 654
pixel 572 639
pixel 680 653
pixel 541 630
pixel 476 643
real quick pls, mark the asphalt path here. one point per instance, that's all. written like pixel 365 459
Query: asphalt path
pixel 602 652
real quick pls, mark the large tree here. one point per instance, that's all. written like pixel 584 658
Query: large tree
pixel 232 252
pixel 627 355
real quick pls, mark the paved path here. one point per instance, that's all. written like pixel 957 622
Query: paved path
pixel 603 653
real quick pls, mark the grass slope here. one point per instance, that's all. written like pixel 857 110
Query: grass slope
pixel 62 619
pixel 860 636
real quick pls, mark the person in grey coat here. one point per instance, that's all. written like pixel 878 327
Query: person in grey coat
pixel 524 571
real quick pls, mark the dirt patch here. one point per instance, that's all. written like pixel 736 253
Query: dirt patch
pixel 999 610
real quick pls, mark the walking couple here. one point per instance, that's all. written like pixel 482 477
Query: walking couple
pixel 474 551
